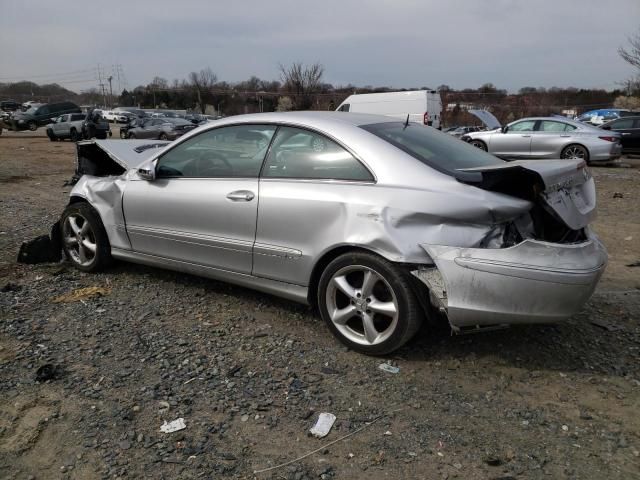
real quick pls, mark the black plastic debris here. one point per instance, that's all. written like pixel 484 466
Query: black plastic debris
pixel 634 264
pixel 46 372
pixel 42 249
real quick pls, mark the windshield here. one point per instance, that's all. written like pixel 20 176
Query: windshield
pixel 431 147
pixel 31 111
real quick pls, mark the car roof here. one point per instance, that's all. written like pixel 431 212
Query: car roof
pixel 310 116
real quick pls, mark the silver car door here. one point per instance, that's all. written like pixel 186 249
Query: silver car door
pixel 201 208
pixel 515 142
pixel 305 184
pixel 550 137
pixel 58 125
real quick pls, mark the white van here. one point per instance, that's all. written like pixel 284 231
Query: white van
pixel 422 106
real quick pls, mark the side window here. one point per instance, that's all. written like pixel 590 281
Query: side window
pixel 524 126
pixel 636 123
pixel 43 110
pixel 551 126
pixel 622 124
pixel 298 153
pixel 236 151
pixel 344 108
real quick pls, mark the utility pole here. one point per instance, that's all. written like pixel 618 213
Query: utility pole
pixel 110 92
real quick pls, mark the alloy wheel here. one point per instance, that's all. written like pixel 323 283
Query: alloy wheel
pixel 574 152
pixel 362 305
pixel 80 239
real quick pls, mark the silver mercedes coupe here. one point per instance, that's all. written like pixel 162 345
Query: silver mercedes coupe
pixel 377 222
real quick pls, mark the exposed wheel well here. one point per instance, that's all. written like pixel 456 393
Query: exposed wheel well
pixel 77 199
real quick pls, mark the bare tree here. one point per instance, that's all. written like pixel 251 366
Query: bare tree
pixel 302 81
pixel 632 55
pixel 202 83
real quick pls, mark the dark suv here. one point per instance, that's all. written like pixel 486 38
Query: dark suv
pixel 41 115
pixel 9 106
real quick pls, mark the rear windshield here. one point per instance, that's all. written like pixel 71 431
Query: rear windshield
pixel 432 147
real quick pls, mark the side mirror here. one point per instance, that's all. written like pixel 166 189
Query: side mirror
pixel 505 129
pixel 147 171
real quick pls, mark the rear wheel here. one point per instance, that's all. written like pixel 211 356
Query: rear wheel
pixel 479 144
pixel 73 135
pixel 84 239
pixel 163 136
pixel 123 135
pixel 575 152
pixel 132 135
pixel 367 302
pixel 33 126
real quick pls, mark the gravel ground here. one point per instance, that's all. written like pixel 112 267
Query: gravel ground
pixel 250 373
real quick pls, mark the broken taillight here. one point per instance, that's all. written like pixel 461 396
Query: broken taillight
pixel 609 139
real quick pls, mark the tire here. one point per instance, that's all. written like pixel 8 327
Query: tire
pixel 131 135
pixel 123 135
pixel 84 239
pixel 479 144
pixel 51 136
pixel 575 151
pixel 33 126
pixel 73 135
pixel 346 302
pixel 163 136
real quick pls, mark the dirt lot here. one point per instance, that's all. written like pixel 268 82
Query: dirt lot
pixel 249 373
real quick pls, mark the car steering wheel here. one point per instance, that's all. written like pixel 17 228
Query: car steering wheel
pixel 209 162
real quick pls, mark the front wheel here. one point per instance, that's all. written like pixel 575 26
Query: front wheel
pixel 163 136
pixel 123 135
pixel 73 135
pixel 84 239
pixel 368 303
pixel 33 126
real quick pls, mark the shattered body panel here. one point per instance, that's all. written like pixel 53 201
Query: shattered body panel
pixel 498 244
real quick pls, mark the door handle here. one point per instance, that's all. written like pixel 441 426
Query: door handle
pixel 526 136
pixel 565 135
pixel 241 195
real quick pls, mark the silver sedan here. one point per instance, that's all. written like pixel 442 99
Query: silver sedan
pixel 548 137
pixel 376 222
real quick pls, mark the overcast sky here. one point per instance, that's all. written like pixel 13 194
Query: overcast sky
pixel 399 43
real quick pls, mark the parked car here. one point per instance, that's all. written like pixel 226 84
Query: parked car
pixel 603 115
pixel 548 137
pixel 629 130
pixel 133 123
pixel 31 103
pixel 460 131
pixel 117 117
pixel 420 106
pixel 161 128
pixel 41 115
pixel 95 126
pixel 377 223
pixel 9 106
pixel 66 126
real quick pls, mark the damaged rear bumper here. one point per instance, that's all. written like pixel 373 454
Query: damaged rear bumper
pixel 532 282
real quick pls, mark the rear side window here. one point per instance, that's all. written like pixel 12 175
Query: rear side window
pixel 551 126
pixel 432 147
pixel 303 154
pixel 77 116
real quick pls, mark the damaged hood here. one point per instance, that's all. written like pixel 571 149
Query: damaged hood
pixel 114 157
pixel 487 118
pixel 565 188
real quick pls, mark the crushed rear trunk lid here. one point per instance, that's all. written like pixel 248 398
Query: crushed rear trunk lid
pixel 114 157
pixel 564 188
